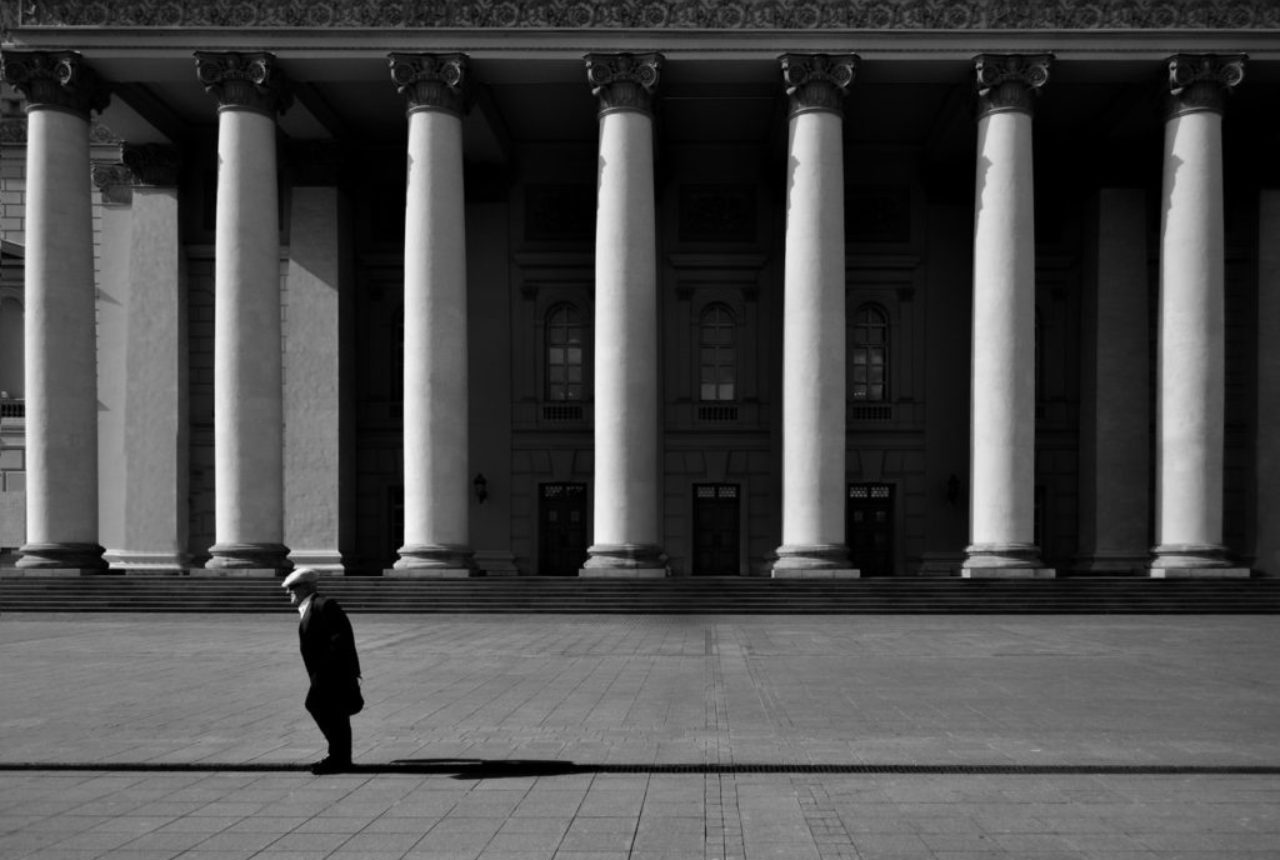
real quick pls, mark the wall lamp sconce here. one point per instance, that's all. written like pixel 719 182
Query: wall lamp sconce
pixel 481 485
pixel 953 489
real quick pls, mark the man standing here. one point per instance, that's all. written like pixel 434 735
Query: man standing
pixel 329 654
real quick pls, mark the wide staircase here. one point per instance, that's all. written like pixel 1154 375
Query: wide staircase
pixel 732 595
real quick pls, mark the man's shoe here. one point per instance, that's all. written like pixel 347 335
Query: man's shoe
pixel 329 765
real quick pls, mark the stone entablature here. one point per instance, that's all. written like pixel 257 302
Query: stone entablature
pixel 655 14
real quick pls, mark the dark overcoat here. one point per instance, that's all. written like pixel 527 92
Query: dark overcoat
pixel 329 653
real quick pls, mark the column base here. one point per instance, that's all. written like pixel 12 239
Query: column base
pixel 1008 573
pixel 326 562
pixel 428 557
pixel 231 556
pixel 814 561
pixel 623 572
pixel 50 572
pixel 1004 561
pixel 430 572
pixel 1200 573
pixel 86 557
pixel 633 560
pixel 1113 564
pixel 816 573
pixel 236 572
pixel 147 563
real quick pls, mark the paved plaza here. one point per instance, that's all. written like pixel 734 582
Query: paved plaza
pixel 543 736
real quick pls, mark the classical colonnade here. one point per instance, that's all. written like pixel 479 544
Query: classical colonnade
pixel 251 91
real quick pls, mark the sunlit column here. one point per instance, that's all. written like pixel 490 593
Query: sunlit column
pixel 60 353
pixel 1002 415
pixel 1190 424
pixel 248 403
pixel 437 484
pixel 813 326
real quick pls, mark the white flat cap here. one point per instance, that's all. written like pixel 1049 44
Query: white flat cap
pixel 299 576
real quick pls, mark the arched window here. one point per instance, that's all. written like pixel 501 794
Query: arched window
pixel 717 354
pixel 566 348
pixel 869 355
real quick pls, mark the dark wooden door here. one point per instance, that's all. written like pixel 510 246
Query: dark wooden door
pixel 870 528
pixel 715 530
pixel 562 529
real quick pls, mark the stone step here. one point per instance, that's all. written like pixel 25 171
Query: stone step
pixel 684 596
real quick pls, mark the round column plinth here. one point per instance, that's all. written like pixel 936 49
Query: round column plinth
pixel 427 557
pixel 625 560
pixel 1190 555
pixel 231 556
pixel 84 556
pixel 1012 560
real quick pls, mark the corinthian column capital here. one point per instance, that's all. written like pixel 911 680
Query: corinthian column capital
pixel 1009 81
pixel 247 81
pixel 55 79
pixel 817 81
pixel 431 81
pixel 1201 82
pixel 624 81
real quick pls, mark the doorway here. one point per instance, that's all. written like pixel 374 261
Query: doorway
pixel 562 529
pixel 716 530
pixel 869 528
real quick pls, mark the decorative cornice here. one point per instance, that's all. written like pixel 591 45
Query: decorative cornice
pixel 154 164
pixel 431 81
pixel 784 15
pixel 250 81
pixel 817 81
pixel 624 81
pixel 115 181
pixel 1009 82
pixel 1201 82
pixel 55 79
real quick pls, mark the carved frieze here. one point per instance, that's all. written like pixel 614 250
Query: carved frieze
pixel 253 81
pixel 431 81
pixel 1009 81
pixel 658 14
pixel 817 81
pixel 624 81
pixel 58 79
pixel 152 163
pixel 1199 82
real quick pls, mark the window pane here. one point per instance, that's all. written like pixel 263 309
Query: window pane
pixel 575 374
pixel 708 391
pixel 573 355
pixel 726 391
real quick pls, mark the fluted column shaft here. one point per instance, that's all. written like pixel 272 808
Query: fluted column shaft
pixel 436 476
pixel 60 347
pixel 248 397
pixel 1191 357
pixel 628 492
pixel 813 338
pixel 1002 441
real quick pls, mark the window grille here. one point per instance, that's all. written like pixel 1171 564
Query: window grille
pixel 869 356
pixel 717 354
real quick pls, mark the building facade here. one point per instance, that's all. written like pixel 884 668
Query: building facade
pixel 611 288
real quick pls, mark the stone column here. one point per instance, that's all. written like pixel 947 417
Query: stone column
pixel 437 484
pixel 1002 417
pixel 317 408
pixel 61 351
pixel 1115 416
pixel 143 368
pixel 628 411
pixel 1190 423
pixel 248 410
pixel 813 327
